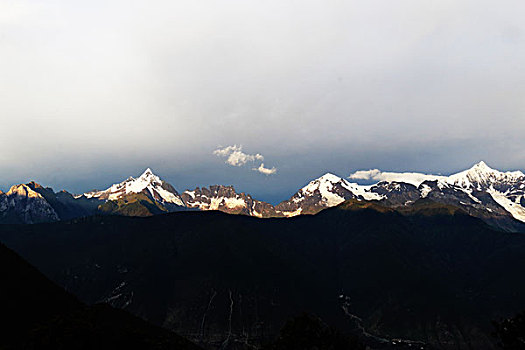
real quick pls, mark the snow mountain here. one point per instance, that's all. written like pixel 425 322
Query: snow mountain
pixel 327 191
pixel 148 183
pixel 496 197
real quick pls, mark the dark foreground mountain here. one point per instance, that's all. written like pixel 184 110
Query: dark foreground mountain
pixel 511 332
pixel 38 314
pixel 430 274
pixel 308 332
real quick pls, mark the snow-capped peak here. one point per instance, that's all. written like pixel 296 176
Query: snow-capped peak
pixel 482 165
pixel 146 179
pixel 328 177
pixel 157 188
pixel 480 169
pixel 322 184
pixel 334 190
pixel 148 173
pixel 506 188
pixel 481 176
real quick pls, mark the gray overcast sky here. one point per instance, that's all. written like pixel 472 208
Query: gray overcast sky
pixel 94 91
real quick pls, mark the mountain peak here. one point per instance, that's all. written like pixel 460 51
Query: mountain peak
pixel 147 177
pixel 482 166
pixel 23 191
pixel 34 184
pixel 147 173
pixel 329 177
pixel 148 182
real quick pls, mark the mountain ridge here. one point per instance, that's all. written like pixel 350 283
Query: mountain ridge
pixel 495 196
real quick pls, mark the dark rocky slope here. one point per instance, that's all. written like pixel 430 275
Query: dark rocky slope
pixel 38 314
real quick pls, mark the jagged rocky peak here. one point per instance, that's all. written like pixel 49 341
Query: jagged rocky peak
pixel 34 185
pixel 215 197
pixel 214 191
pixel 23 190
pixel 24 205
pixel 393 186
pixel 226 199
pixel 44 191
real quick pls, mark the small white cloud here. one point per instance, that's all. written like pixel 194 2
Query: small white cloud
pixel 265 171
pixel 377 175
pixel 235 156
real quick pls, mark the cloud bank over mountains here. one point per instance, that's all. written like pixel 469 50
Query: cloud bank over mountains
pixel 408 177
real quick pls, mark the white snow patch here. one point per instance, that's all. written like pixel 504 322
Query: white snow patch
pixel 290 214
pixel 361 190
pixel 325 185
pixel 190 193
pixel 425 190
pixel 516 210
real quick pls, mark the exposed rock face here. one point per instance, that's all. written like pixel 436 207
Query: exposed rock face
pixel 396 193
pixel 225 199
pixel 32 203
pixel 23 205
pixel 64 203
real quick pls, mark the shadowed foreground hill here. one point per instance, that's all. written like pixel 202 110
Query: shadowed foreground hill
pixel 37 314
pixel 432 275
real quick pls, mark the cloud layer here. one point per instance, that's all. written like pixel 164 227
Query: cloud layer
pixel 377 175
